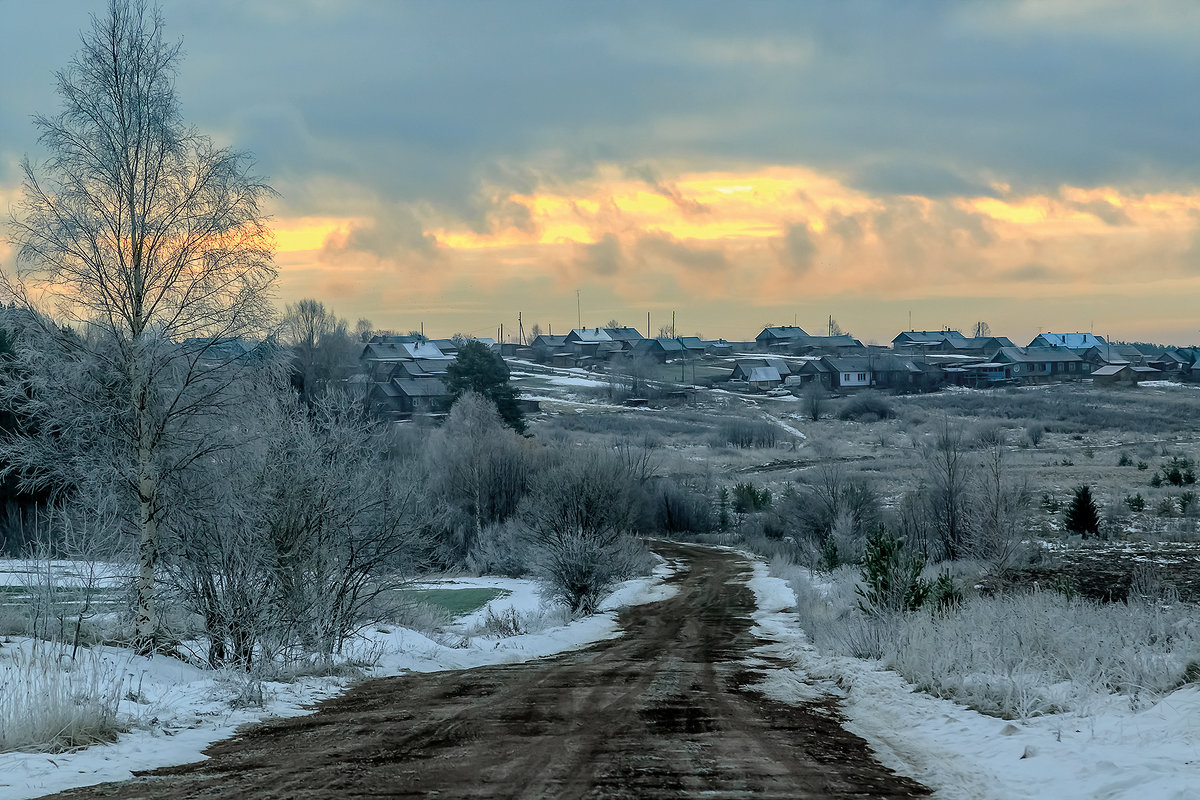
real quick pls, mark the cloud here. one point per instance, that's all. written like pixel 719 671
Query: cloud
pixel 393 234
pixel 1105 211
pixel 1030 273
pixel 601 258
pixel 693 259
pixel 799 248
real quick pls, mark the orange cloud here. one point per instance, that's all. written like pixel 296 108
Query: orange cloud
pixel 746 242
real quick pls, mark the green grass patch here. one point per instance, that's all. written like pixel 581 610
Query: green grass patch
pixel 455 602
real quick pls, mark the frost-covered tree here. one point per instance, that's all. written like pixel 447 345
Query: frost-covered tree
pixel 322 346
pixel 477 369
pixel 291 538
pixel 580 517
pixel 948 489
pixel 479 469
pixel 151 242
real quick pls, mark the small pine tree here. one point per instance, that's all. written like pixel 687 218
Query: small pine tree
pixel 1083 517
pixel 891 576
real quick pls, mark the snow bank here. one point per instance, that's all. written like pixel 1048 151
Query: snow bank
pixel 177 710
pixel 1110 752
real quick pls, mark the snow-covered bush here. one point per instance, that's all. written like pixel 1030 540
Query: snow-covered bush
pixel 579 518
pixel 49 701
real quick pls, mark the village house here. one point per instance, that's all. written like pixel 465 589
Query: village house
pixel 929 341
pixel 743 367
pixel 764 378
pixel 780 337
pixel 658 349
pixel 1123 375
pixel 1041 364
pixel 1077 342
pixel 841 345
pixel 879 371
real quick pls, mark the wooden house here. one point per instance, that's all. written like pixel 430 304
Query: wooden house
pixel 1041 364
pixel 1076 342
pixel 780 337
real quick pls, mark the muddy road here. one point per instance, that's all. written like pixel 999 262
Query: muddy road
pixel 663 711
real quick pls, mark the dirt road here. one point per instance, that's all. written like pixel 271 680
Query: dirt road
pixel 663 711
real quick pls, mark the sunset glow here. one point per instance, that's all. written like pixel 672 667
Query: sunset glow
pixel 736 168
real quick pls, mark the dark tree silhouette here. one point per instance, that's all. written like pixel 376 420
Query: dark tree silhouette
pixel 477 369
pixel 1082 515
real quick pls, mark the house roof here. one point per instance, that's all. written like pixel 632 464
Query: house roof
pixel 546 340
pixel 1022 355
pixel 782 332
pixel 423 350
pixel 982 342
pixel 385 351
pixel 841 340
pixel 873 363
pixel 1074 341
pixel 420 387
pixel 955 338
pixel 589 335
pixel 764 374
pixel 691 342
pixel 624 334
pixel 1108 370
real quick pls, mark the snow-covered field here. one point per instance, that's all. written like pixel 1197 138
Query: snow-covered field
pixel 175 710
pixel 1110 752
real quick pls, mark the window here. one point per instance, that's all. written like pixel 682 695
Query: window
pixel 862 376
pixel 845 377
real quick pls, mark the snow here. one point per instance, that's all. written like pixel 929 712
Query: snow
pixel 181 709
pixel 1109 752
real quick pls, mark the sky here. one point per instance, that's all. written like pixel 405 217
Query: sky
pixel 1034 165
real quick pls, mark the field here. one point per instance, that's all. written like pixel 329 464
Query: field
pixel 1122 443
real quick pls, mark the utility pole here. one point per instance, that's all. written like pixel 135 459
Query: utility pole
pixel 520 330
pixel 578 311
pixel 648 334
pixel 672 324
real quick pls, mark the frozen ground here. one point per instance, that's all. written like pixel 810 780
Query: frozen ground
pixel 1111 752
pixel 176 710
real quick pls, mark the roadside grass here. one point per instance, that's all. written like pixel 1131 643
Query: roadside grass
pixel 1013 656
pixel 52 702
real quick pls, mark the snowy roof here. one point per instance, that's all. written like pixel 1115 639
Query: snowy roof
pixel 624 334
pixel 1074 341
pixel 589 335
pixel 423 350
pixel 764 374
pixel 782 332
pixel 1111 369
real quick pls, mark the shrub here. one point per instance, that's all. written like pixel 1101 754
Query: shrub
pixel 945 594
pixel 579 517
pixel 747 498
pixel 866 407
pixel 1124 460
pixel 750 433
pixel 891 576
pixel 1034 433
pixel 1136 502
pixel 1083 517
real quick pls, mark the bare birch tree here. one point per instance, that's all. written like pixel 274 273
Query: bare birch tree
pixel 151 242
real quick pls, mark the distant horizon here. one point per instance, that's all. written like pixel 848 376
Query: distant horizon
pixel 1031 165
